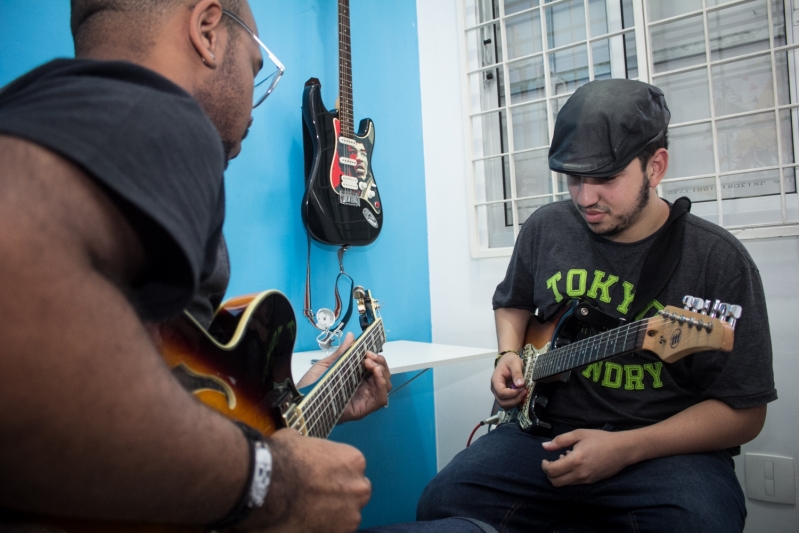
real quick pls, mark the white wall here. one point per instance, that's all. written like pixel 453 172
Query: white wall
pixel 778 261
pixel 461 287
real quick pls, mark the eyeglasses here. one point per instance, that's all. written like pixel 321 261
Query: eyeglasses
pixel 266 80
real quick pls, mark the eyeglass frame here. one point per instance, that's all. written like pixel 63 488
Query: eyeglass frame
pixel 272 57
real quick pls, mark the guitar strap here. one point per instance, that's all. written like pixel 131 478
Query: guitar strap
pixel 663 257
pixel 325 319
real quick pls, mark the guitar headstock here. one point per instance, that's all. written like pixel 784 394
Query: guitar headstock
pixel 368 307
pixel 674 333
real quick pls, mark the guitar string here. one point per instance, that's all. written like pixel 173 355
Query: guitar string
pixel 320 408
pixel 312 409
pixel 334 397
pixel 345 71
pixel 352 376
pixel 553 360
pixel 325 405
pixel 333 407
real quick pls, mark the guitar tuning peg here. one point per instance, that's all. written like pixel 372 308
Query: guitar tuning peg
pixel 705 307
pixel 687 301
pixel 697 304
pixel 734 313
pixel 714 313
pixel 724 310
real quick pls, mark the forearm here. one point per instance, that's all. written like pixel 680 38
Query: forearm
pixel 707 426
pixel 112 436
pixel 511 325
pixel 93 424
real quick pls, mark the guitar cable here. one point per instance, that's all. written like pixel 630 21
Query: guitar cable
pixel 494 420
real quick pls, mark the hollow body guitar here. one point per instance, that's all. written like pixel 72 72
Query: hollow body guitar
pixel 341 205
pixel 554 348
pixel 241 367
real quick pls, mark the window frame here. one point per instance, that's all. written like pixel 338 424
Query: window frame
pixel 645 73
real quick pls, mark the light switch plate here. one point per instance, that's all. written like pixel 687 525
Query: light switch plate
pixel 770 478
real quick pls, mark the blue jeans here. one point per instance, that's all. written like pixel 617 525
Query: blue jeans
pixel 447 525
pixel 499 480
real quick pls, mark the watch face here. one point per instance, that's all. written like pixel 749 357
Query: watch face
pixel 261 476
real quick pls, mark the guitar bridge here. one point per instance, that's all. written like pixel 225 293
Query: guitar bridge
pixel 350 198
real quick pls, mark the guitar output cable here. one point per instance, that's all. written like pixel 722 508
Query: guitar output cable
pixel 495 420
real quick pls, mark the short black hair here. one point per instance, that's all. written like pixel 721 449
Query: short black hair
pixel 649 150
pixel 90 19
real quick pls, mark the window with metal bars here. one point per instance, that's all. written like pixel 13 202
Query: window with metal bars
pixel 727 69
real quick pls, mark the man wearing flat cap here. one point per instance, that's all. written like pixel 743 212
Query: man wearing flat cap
pixel 635 444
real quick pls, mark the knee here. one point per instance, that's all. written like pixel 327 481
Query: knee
pixel 446 493
pixel 432 501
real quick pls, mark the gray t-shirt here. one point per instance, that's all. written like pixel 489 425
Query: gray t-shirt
pixel 153 150
pixel 557 258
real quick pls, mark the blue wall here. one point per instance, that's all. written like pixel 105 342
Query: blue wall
pixel 265 187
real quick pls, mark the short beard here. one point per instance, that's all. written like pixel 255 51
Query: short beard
pixel 630 218
pixel 215 101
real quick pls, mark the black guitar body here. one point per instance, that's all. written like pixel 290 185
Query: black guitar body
pixel 341 205
pixel 578 320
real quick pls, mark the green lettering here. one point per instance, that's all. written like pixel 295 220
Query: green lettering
pixel 612 377
pixel 593 371
pixel 654 304
pixel 629 296
pixel 604 286
pixel 581 276
pixel 635 377
pixel 654 371
pixel 552 283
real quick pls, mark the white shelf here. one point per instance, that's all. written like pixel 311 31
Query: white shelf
pixel 404 356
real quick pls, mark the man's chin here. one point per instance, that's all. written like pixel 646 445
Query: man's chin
pixel 232 150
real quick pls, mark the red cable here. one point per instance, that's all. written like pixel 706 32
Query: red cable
pixel 469 442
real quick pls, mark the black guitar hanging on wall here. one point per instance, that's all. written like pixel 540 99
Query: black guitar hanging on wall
pixel 341 205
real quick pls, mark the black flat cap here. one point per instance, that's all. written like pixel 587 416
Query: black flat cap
pixel 605 125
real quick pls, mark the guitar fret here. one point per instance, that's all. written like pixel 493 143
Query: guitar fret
pixel 590 350
pixel 345 70
pixel 324 406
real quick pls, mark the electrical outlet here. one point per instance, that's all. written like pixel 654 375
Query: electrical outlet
pixel 770 478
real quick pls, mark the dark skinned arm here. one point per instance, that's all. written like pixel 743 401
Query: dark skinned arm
pixel 93 424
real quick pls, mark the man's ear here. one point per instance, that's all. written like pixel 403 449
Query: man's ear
pixel 205 24
pixel 657 167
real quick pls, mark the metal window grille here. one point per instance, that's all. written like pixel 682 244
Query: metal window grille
pixel 728 71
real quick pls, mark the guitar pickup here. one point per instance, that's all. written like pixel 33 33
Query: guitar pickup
pixel 346 161
pixel 349 182
pixel 348 142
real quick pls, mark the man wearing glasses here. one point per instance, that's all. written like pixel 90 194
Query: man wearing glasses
pixel 111 209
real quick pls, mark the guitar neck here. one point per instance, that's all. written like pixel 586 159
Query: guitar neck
pixel 619 341
pixel 322 407
pixel 345 70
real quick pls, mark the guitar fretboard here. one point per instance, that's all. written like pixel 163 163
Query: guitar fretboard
pixel 618 341
pixel 345 70
pixel 322 407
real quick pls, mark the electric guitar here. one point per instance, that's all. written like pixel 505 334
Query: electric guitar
pixel 549 355
pixel 241 367
pixel 341 205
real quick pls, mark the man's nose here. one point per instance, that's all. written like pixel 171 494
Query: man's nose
pixel 588 193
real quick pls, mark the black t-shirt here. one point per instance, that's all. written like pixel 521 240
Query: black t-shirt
pixel 557 258
pixel 150 146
